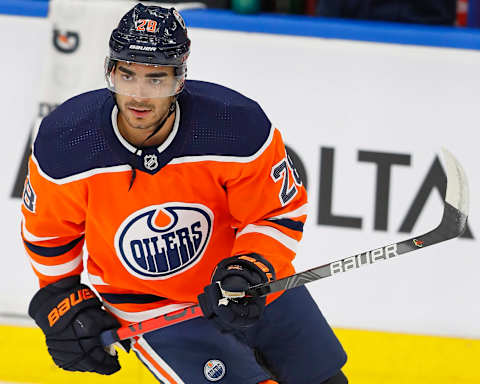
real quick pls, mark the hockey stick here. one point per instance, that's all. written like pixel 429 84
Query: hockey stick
pixel 453 224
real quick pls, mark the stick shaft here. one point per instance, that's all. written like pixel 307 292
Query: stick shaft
pixel 136 329
pixel 452 225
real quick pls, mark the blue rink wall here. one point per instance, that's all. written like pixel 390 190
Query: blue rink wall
pixel 438 36
pixel 349 96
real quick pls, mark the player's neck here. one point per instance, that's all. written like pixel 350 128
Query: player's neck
pixel 137 136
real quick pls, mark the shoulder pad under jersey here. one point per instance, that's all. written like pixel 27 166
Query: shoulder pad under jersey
pixel 70 140
pixel 221 121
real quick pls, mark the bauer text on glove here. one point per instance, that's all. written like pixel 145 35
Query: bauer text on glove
pixel 72 318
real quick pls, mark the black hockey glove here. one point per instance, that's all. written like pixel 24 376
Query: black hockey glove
pixel 236 274
pixel 72 318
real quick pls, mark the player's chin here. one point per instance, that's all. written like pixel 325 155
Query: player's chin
pixel 140 123
pixel 142 126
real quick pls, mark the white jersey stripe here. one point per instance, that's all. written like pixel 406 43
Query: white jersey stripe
pixel 302 210
pixel 31 237
pixel 145 315
pixel 57 270
pixel 154 356
pixel 82 175
pixel 96 280
pixel 274 233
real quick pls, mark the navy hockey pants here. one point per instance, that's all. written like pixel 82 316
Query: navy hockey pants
pixel 293 342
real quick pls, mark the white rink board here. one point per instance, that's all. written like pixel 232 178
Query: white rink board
pixel 373 97
pixel 350 96
pixel 21 68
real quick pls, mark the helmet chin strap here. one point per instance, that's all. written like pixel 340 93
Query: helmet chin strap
pixel 171 109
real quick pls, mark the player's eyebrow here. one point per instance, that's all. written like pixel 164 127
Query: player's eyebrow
pixel 125 70
pixel 156 74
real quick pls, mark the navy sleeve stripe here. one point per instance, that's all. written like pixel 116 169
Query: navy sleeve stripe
pixel 288 223
pixel 129 298
pixel 53 251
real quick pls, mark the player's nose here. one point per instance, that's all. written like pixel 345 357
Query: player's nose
pixel 139 93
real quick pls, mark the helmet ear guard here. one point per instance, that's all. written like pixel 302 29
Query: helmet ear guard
pixel 153 36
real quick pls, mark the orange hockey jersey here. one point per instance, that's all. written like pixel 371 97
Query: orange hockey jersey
pixel 220 185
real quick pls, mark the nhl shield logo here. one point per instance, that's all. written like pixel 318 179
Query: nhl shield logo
pixel 214 370
pixel 150 162
pixel 160 241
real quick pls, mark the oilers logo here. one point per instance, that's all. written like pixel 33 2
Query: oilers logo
pixel 214 370
pixel 66 42
pixel 160 241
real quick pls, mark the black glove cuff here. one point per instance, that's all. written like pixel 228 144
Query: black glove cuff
pixel 50 290
pixel 54 307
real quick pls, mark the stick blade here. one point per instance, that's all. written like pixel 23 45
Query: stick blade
pixel 457 184
pixel 456 204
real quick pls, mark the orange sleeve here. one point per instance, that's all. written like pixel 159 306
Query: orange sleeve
pixel 268 203
pixel 53 225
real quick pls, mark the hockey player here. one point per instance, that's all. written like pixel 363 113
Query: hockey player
pixel 180 190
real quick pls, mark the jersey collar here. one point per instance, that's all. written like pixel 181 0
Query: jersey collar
pixel 132 148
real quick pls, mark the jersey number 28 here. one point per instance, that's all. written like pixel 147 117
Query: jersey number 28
pixel 281 171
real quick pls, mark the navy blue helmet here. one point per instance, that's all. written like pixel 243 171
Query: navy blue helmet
pixel 150 35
